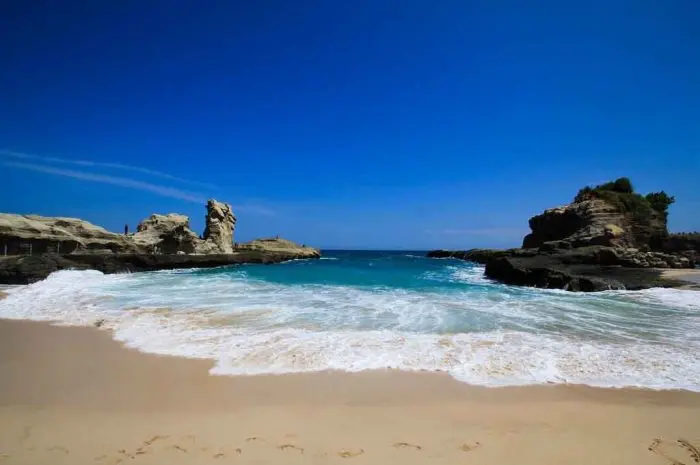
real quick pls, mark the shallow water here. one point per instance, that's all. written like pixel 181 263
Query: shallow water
pixel 366 310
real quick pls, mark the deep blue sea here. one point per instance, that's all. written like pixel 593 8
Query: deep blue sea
pixel 361 310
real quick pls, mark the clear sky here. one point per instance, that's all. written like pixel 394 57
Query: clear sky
pixel 378 124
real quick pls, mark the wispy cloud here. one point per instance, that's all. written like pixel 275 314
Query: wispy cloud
pixel 498 232
pixel 164 191
pixel 114 180
pixel 95 164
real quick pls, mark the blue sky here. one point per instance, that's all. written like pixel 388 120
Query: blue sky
pixel 378 124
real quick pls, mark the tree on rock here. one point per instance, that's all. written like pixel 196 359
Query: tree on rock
pixel 660 201
pixel 623 186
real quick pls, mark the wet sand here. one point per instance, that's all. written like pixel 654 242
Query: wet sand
pixel 692 276
pixel 74 396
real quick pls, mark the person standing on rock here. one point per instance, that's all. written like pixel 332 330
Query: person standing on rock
pixel 126 229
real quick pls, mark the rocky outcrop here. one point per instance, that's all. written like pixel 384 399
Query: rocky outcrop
pixel 160 242
pixel 278 245
pixel 589 268
pixel 25 269
pixel 473 255
pixel 609 238
pixel 633 258
pixel 157 234
pixel 218 232
pixel 166 234
pixel 684 244
pixel 554 272
pixel 593 222
pixel 25 234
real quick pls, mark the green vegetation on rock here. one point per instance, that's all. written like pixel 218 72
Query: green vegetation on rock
pixel 620 194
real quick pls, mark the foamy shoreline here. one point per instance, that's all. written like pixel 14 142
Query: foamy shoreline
pixel 264 328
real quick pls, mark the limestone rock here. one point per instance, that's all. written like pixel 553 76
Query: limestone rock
pixel 220 225
pixel 166 234
pixel 20 234
pixel 593 222
pixel 279 245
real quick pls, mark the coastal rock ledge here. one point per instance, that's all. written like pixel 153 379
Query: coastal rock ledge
pixel 609 237
pixel 32 246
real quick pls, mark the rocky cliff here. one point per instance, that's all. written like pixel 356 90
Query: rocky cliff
pixel 157 234
pixel 25 234
pixel 594 221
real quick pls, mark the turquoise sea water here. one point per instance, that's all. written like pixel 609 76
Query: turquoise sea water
pixel 357 310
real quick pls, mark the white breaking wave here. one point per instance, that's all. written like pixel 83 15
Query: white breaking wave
pixel 489 334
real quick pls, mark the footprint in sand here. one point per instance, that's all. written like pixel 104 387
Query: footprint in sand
pixel 469 447
pixel 290 446
pixel 402 445
pixel 154 439
pixel 58 449
pixel 670 450
pixel 180 448
pixel 254 438
pixel 348 454
pixel 692 450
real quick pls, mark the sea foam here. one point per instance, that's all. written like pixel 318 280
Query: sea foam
pixel 481 333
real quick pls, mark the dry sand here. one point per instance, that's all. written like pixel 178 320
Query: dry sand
pixel 74 396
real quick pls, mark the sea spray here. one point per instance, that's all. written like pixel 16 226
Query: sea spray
pixel 403 312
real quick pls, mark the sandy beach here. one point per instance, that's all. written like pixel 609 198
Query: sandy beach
pixel 692 276
pixel 74 396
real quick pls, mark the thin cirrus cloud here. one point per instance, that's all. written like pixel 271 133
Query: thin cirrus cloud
pixel 164 191
pixel 95 164
pixel 114 180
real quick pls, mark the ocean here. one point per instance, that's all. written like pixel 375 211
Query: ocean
pixel 364 310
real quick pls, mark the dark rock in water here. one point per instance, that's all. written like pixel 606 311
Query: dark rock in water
pixel 23 269
pixel 591 268
pixel 551 272
pixel 473 255
pixel 543 273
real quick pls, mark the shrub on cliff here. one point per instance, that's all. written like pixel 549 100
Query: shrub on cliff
pixel 620 194
pixel 660 201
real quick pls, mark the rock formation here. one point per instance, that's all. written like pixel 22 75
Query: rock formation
pixel 25 234
pixel 609 238
pixel 37 246
pixel 218 232
pixel 593 222
pixel 157 234
pixel 26 269
pixel 166 234
pixel 278 245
